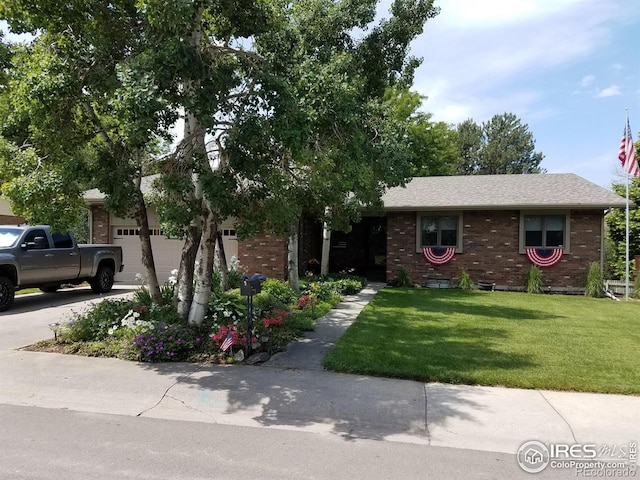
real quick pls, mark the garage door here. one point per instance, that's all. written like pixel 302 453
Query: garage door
pixel 166 252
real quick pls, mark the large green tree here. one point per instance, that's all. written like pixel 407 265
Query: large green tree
pixel 499 146
pixel 283 107
pixel 339 120
pixel 616 229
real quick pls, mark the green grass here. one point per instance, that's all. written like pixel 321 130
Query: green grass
pixel 495 338
pixel 28 290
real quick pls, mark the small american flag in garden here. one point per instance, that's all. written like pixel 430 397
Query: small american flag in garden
pixel 227 342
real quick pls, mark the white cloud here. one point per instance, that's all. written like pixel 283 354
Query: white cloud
pixel 587 80
pixel 611 91
pixel 475 51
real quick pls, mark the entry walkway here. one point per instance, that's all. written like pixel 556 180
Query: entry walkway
pixel 308 352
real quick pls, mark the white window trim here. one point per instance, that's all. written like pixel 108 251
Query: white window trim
pixel 567 226
pixel 439 213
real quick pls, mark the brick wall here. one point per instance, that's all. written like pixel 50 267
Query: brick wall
pixel 100 225
pixel 10 220
pixel 264 254
pixel 490 250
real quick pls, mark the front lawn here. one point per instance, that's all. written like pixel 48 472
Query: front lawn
pixel 495 338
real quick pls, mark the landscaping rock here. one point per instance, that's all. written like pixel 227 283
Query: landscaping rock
pixel 239 356
pixel 257 358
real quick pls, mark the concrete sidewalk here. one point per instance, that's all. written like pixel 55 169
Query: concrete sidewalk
pixel 308 352
pixel 300 396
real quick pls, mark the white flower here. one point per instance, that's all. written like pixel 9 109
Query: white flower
pixel 136 314
pixel 227 313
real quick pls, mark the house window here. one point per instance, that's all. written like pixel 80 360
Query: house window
pixel 544 231
pixel 439 230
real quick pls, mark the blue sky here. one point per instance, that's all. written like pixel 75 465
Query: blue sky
pixel 567 68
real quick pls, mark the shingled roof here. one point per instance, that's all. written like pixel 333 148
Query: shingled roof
pixel 490 192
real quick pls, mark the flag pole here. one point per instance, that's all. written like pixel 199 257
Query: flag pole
pixel 626 259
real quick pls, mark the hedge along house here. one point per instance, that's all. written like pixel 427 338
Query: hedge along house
pixel 495 227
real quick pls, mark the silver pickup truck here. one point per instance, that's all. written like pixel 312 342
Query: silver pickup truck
pixel 36 257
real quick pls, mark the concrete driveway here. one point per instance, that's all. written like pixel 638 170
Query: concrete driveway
pixel 28 319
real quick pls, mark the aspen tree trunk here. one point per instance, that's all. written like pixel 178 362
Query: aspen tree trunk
pixel 204 271
pixel 292 257
pixel 221 262
pixel 142 219
pixel 184 289
pixel 326 245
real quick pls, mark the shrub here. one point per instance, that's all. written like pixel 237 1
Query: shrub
pixel 534 282
pixel 164 343
pixel 95 323
pixel 265 302
pixel 594 287
pixel 403 279
pixel 280 290
pixel 163 313
pixel 235 273
pixel 465 282
pixel 224 308
pixel 238 336
pixel 347 286
pixel 323 291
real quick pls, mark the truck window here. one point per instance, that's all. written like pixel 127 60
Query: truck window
pixel 8 236
pixel 62 240
pixel 30 238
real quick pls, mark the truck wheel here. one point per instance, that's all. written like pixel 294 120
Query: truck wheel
pixel 103 281
pixel 7 293
pixel 50 288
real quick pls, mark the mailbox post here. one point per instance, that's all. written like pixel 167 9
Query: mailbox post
pixel 248 288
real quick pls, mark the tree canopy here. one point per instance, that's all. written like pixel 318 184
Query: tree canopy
pixel 285 106
pixel 616 229
pixel 499 146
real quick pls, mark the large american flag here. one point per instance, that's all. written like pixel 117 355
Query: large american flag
pixel 627 153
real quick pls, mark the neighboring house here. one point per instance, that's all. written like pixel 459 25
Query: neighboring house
pixel 492 226
pixel 6 216
pixel 107 228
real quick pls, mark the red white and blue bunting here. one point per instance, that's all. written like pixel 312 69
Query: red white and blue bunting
pixel 544 257
pixel 438 255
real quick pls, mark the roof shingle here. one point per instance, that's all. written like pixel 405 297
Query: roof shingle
pixel 490 192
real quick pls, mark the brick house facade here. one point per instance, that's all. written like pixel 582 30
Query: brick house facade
pixel 490 238
pixel 490 250
pixel 264 254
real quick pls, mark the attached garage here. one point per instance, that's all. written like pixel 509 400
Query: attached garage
pixel 107 228
pixel 166 251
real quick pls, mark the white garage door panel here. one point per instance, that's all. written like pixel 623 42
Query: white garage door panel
pixel 166 254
